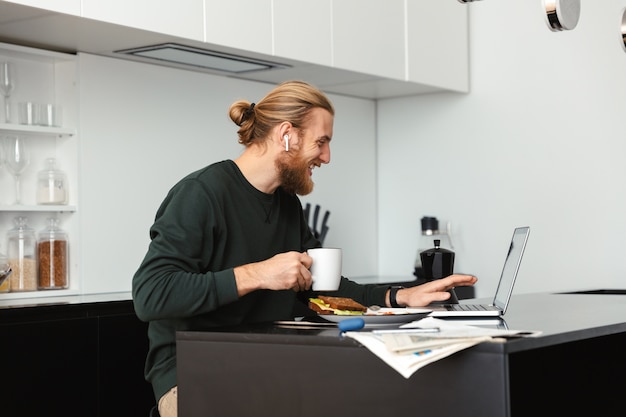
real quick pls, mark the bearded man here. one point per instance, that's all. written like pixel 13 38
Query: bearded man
pixel 228 245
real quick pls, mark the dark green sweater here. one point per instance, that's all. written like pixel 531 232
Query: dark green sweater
pixel 210 222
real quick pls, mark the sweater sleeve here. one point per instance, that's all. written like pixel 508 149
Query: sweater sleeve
pixel 172 281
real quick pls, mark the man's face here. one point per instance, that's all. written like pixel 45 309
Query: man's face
pixel 312 149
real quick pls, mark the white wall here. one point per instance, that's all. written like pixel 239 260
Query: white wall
pixel 539 141
pixel 143 127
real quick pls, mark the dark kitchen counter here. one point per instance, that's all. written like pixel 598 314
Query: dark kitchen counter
pixel 65 307
pixel 574 365
pixel 49 300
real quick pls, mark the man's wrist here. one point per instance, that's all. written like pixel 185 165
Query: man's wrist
pixel 393 296
pixel 245 279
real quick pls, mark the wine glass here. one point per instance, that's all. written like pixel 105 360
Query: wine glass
pixel 16 160
pixel 1 153
pixel 7 84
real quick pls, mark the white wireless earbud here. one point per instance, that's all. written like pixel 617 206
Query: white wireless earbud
pixel 286 137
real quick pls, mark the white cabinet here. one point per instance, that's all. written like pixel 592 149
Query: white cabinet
pixel 241 24
pixel 363 48
pixel 437 44
pixel 61 6
pixel 42 77
pixel 368 36
pixel 420 41
pixel 303 30
pixel 183 18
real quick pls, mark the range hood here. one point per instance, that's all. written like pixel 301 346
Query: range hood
pixel 182 55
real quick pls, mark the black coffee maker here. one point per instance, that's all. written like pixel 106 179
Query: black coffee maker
pixel 438 263
pixel 430 232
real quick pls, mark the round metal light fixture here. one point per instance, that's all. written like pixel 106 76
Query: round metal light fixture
pixel 562 14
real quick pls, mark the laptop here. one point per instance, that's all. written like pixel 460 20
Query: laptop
pixel 505 287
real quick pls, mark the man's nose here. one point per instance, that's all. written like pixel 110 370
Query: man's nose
pixel 325 155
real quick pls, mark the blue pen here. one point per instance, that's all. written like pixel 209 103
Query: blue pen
pixel 348 325
pixel 423 352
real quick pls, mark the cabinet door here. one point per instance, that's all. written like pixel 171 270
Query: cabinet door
pixel 368 36
pixel 242 24
pixel 182 18
pixel 438 43
pixel 62 6
pixel 123 347
pixel 302 30
pixel 49 368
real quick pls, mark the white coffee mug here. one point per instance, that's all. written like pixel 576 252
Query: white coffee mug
pixel 326 268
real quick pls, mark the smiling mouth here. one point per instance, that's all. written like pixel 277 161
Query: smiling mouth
pixel 311 168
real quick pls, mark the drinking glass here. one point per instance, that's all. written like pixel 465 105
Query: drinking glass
pixel 7 84
pixel 17 160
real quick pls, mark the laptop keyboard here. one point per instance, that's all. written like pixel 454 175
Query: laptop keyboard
pixel 469 307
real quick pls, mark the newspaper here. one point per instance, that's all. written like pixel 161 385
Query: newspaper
pixel 411 348
pixel 419 345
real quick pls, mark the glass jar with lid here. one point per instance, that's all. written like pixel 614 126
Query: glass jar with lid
pixel 22 255
pixel 52 248
pixel 51 184
pixel 5 283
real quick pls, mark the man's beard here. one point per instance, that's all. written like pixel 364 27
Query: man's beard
pixel 294 176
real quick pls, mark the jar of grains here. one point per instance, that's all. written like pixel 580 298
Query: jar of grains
pixel 52 248
pixel 4 270
pixel 22 256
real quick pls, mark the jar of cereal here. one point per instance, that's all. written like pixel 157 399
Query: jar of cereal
pixel 22 256
pixel 52 250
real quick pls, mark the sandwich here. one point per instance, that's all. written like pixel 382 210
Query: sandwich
pixel 340 306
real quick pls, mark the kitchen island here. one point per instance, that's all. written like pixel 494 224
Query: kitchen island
pixel 575 366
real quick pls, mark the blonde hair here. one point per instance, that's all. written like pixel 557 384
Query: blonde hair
pixel 290 101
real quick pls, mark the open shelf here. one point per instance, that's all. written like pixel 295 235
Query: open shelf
pixel 37 208
pixel 8 128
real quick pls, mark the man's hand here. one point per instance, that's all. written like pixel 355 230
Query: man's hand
pixel 437 290
pixel 285 271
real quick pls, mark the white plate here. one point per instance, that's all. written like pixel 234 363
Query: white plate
pixel 383 316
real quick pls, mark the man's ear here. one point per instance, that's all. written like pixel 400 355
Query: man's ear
pixel 285 131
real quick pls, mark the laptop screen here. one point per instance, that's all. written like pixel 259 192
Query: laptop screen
pixel 511 266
